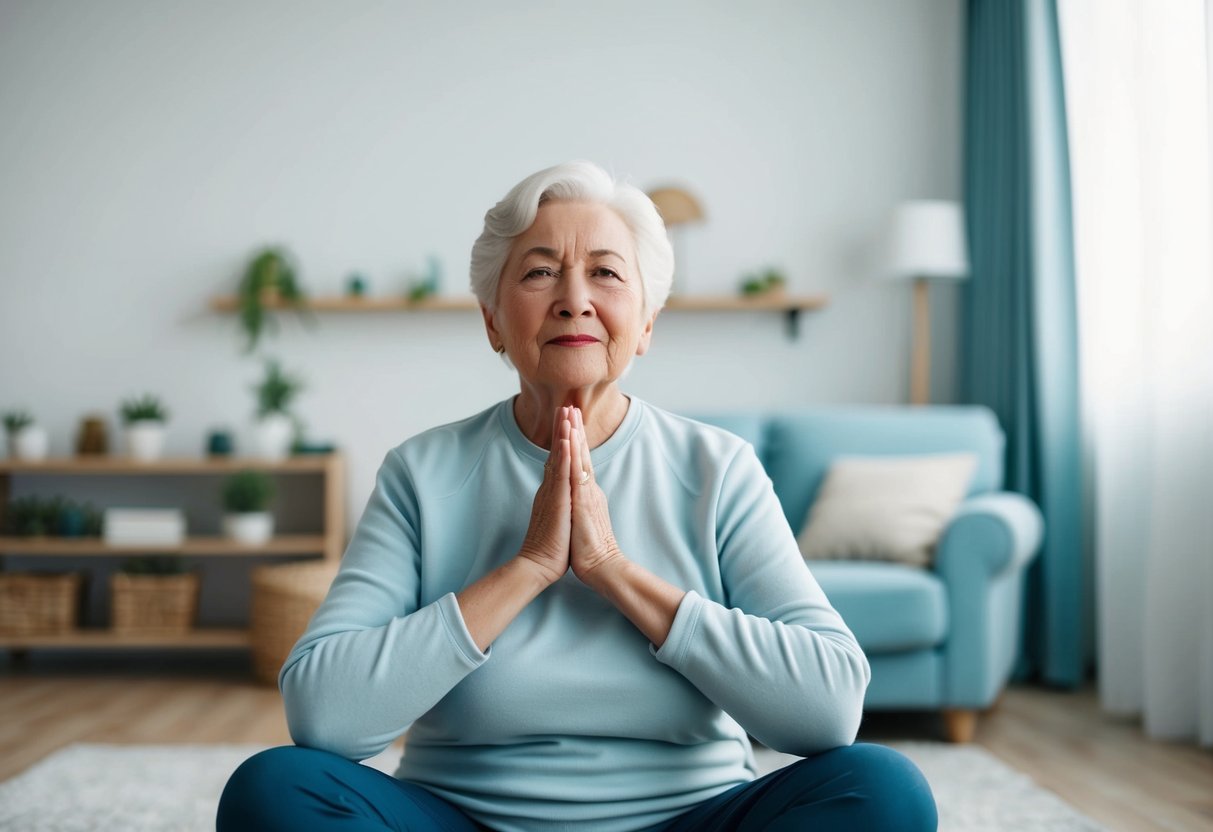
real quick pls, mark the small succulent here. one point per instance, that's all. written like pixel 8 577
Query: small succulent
pixel 247 491
pixel 355 286
pixel 768 280
pixel 147 408
pixel 276 391
pixel 33 516
pixel 426 286
pixel 15 420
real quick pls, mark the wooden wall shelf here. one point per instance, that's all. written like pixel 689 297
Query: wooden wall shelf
pixel 790 305
pixel 685 303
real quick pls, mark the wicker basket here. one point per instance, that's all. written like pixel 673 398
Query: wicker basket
pixel 40 603
pixel 284 598
pixel 153 604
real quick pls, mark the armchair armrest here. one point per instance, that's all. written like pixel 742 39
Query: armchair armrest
pixel 981 559
pixel 1000 531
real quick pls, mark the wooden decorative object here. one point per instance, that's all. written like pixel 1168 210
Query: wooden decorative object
pixel 39 604
pixel 93 438
pixel 159 604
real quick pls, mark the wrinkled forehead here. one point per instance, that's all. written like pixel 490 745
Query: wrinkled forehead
pixel 564 228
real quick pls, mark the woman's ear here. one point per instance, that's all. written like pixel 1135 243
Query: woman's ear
pixel 491 330
pixel 642 346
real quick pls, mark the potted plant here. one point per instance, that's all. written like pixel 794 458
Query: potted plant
pixel 246 498
pixel 26 438
pixel 770 281
pixel 276 427
pixel 145 420
pixel 269 279
pixel 355 285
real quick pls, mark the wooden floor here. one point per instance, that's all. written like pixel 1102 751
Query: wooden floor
pixel 1102 766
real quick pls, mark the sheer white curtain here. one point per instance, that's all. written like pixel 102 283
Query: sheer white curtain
pixel 1138 102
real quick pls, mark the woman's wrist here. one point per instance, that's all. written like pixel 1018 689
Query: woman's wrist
pixel 605 571
pixel 648 601
pixel 542 571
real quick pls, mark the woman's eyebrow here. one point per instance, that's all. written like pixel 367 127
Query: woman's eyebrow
pixel 543 250
pixel 599 252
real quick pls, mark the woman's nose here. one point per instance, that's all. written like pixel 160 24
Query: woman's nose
pixel 574 299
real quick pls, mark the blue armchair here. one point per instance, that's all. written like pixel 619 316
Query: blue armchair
pixel 942 638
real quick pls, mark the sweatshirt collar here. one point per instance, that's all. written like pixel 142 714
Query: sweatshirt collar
pixel 598 456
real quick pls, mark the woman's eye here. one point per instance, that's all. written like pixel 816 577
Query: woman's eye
pixel 541 272
pixel 603 271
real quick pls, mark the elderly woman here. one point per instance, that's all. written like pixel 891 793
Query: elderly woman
pixel 576 604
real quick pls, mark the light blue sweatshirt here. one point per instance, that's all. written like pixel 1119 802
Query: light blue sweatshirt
pixel 572 719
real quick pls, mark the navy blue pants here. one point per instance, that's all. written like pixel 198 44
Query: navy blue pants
pixel 861 787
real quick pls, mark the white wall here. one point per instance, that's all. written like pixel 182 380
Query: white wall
pixel 147 148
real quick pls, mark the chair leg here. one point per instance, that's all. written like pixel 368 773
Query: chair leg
pixel 959 725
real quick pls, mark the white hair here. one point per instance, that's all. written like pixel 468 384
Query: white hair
pixel 583 181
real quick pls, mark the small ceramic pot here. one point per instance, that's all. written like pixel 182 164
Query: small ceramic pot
pixel 31 443
pixel 145 439
pixel 253 528
pixel 273 437
pixel 220 443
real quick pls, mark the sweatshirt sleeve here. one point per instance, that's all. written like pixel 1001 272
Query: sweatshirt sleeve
pixel 775 656
pixel 372 659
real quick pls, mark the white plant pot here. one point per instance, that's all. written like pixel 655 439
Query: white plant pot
pixel 273 436
pixel 253 528
pixel 30 443
pixel 145 439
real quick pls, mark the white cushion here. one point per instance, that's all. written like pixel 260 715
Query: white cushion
pixel 885 508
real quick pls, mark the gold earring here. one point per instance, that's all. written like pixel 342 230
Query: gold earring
pixel 500 348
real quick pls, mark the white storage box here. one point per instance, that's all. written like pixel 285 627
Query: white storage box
pixel 144 526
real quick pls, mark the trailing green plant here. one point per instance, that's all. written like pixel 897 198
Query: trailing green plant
pixel 269 276
pixel 276 391
pixel 149 408
pixel 15 420
pixel 153 565
pixel 247 491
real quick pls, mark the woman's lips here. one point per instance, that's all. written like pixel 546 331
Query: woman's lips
pixel 574 341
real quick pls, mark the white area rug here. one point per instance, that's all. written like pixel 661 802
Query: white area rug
pixel 138 788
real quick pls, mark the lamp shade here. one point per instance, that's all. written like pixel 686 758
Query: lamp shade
pixel 928 240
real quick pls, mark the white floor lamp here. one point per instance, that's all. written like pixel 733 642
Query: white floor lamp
pixel 927 242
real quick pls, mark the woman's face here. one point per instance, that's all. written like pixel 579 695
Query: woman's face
pixel 570 303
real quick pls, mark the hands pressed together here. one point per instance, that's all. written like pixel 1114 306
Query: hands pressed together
pixel 570 522
pixel 570 529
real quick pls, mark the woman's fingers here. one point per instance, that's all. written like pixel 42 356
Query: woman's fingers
pixel 587 464
pixel 547 539
pixel 560 422
pixel 574 473
pixel 582 467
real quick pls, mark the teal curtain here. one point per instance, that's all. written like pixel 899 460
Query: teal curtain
pixel 1019 335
